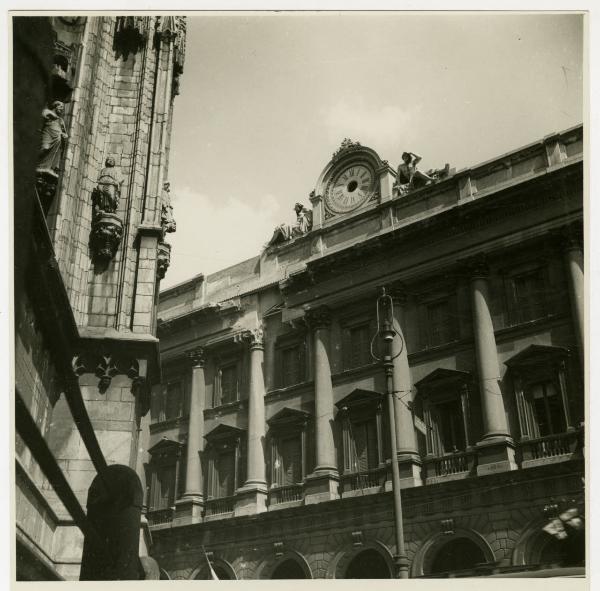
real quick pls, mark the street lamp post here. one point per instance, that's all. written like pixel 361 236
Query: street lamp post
pixel 387 333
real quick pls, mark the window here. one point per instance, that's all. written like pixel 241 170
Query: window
pixel 362 431
pixel 364 451
pixel 227 383
pixel 169 402
pixel 528 296
pixel 173 401
pixel 439 323
pixel 287 465
pixel 291 366
pixel 164 474
pixel 225 454
pixel 443 403
pixel 224 467
pixel 542 384
pixel 360 345
pixel 287 437
pixel 357 343
pixel 547 408
pixel 290 359
pixel 163 493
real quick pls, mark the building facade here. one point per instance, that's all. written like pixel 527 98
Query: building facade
pixel 93 105
pixel 269 442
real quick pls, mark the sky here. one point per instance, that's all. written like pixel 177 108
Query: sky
pixel 266 98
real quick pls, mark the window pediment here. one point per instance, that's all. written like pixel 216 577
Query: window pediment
pixel 358 398
pixel 224 433
pixel 165 446
pixel 441 377
pixel 536 355
pixel 288 417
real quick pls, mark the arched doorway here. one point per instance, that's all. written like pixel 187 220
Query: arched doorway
pixel 456 555
pixel 368 564
pixel 289 569
pixel 222 569
pixel 569 551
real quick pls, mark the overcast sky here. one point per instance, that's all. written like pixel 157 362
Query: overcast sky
pixel 266 98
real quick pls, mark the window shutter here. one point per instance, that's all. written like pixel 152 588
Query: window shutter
pixel 361 445
pixel 217 388
pixel 166 487
pixel 225 474
pixel 291 460
pixel 173 402
pixel 372 448
pixel 155 405
pixel 346 348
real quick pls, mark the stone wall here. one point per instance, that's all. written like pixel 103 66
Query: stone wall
pixel 503 514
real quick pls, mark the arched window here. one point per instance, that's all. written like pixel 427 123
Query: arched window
pixel 289 569
pixel 368 564
pixel 569 551
pixel 456 555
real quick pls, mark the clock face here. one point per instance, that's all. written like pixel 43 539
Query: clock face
pixel 349 189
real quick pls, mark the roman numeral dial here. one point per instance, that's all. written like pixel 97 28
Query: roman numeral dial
pixel 350 188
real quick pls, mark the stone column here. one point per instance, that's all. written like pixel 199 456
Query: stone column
pixel 252 497
pixel 573 249
pixel 496 449
pixel 408 456
pixel 189 507
pixel 322 484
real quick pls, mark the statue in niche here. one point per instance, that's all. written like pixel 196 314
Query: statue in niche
pixel 409 178
pixel 286 232
pixel 167 221
pixel 106 194
pixel 54 135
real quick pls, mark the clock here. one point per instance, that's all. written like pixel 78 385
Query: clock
pixel 349 189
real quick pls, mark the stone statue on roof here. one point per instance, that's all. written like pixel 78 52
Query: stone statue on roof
pixel 303 225
pixel 409 178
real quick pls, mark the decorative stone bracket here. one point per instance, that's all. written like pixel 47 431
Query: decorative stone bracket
pixel 163 259
pixel 106 366
pixel 105 237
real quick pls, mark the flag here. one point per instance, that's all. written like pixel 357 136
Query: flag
pixel 555 528
pixel 213 574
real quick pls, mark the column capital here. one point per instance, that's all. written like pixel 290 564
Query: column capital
pixel 197 357
pixel 255 337
pixel 318 317
pixel 476 267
